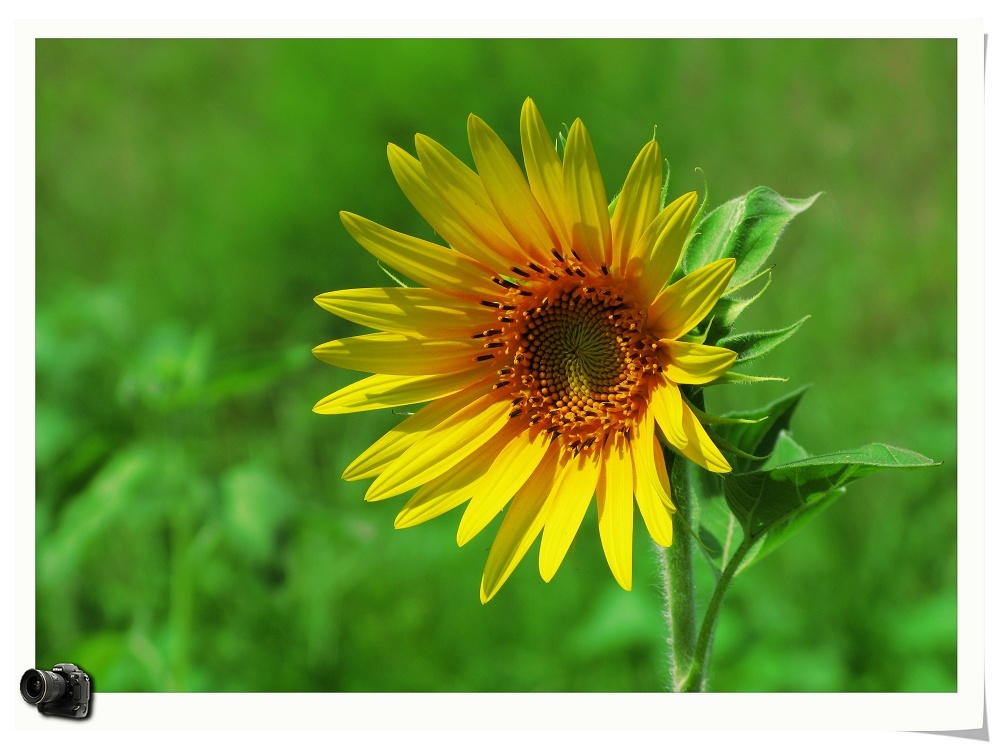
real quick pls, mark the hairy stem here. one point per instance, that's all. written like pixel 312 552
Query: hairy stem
pixel 696 677
pixel 677 564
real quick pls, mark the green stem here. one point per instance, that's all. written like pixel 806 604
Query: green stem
pixel 677 564
pixel 695 680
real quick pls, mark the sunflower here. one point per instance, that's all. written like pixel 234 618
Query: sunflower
pixel 545 340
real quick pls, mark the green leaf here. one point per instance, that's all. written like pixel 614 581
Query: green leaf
pixel 755 431
pixel 765 498
pixel 787 451
pixel 719 531
pixel 771 499
pixel 755 344
pixel 746 228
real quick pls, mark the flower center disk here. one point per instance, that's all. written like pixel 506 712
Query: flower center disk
pixel 581 356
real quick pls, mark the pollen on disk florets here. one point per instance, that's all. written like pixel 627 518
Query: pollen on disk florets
pixel 574 351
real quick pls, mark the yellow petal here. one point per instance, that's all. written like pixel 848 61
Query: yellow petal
pixel 637 205
pixel 414 311
pixel 443 446
pixel 515 463
pixel 659 248
pixel 383 391
pixel 463 190
pixel 571 494
pixel 652 485
pixel 452 488
pixel 521 524
pixel 683 304
pixel 544 169
pixel 509 191
pixel 396 441
pixel 436 498
pixel 396 354
pixel 667 407
pixel 694 364
pixel 432 265
pixel 586 200
pixel 699 447
pixel 614 509
pixel 413 180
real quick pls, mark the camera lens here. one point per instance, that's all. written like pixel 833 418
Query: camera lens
pixel 42 686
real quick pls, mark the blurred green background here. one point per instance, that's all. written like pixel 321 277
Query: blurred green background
pixel 193 532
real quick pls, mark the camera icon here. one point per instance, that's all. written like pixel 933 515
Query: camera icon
pixel 63 691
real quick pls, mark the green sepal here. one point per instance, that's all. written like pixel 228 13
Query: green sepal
pixel 727 447
pixel 728 309
pixel 745 228
pixel 759 434
pixel 700 334
pixel 666 181
pixel 678 271
pixel 561 137
pixel 706 418
pixel 766 272
pixel 613 205
pixel 392 276
pixel 695 338
pixel 755 344
pixel 741 378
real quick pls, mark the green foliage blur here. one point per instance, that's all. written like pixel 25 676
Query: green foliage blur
pixel 193 531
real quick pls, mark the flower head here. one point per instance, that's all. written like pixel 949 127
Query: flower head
pixel 546 340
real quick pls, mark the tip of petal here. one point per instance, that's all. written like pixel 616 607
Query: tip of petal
pixel 483 596
pixel 547 572
pixel 381 489
pixel 376 492
pixel 404 520
pixel 349 220
pixel 463 535
pixel 321 408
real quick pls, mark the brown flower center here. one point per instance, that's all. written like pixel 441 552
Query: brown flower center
pixel 574 350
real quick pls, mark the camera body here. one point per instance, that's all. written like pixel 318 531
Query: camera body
pixel 63 691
